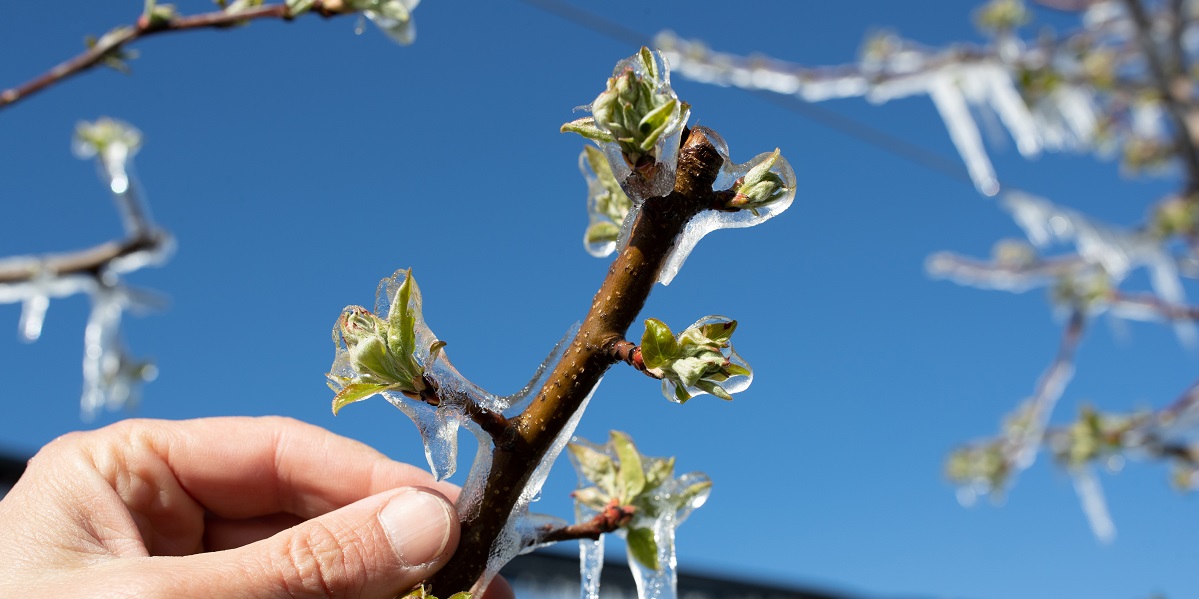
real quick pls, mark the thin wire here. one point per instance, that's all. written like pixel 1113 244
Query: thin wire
pixel 891 144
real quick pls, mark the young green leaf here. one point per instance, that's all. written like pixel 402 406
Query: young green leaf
pixel 356 392
pixel 643 547
pixel 658 345
pixel 594 466
pixel 630 478
pixel 659 471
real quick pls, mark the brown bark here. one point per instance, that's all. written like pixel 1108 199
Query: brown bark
pixel 616 305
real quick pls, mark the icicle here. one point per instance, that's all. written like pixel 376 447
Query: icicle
pixel 591 565
pixel 956 114
pixel 1094 506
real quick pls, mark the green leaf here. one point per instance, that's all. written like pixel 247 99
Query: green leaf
pixel 356 392
pixel 461 595
pixel 714 389
pixel 681 393
pixel 595 466
pixel 659 471
pixel 736 370
pixel 643 547
pixel 689 370
pixel 719 332
pixel 647 62
pixel 682 499
pixel 658 345
pixel 592 497
pixel 586 127
pixel 601 232
pixel 630 479
pixel 402 320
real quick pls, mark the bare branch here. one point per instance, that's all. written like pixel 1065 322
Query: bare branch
pixel 110 45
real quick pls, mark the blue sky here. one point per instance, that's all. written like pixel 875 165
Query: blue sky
pixel 297 164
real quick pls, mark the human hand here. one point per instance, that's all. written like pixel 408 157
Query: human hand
pixel 222 507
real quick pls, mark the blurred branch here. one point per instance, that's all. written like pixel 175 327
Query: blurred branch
pixel 90 262
pixel 1163 76
pixel 109 46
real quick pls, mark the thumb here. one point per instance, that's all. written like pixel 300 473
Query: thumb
pixel 376 547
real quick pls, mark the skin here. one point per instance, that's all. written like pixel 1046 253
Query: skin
pixel 222 507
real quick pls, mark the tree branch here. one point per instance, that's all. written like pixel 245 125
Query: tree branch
pixel 89 262
pixel 1163 81
pixel 110 44
pixel 612 518
pixel 616 305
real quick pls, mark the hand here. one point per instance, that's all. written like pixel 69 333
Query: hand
pixel 222 507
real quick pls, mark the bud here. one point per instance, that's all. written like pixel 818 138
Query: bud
pixel 699 360
pixel 759 187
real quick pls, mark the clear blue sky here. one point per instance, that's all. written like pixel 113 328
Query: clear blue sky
pixel 298 164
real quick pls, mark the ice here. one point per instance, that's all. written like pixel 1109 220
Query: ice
pixel 657 510
pixel 1116 251
pixel 712 220
pixel 517 533
pixel 110 376
pixel 1094 506
pixel 438 425
pixel 948 99
pixel 666 149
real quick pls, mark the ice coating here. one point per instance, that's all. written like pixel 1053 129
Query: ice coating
pixel 438 425
pixel 518 533
pixel 712 220
pixel 732 385
pixel 608 208
pixel 666 148
pixel 111 377
pixel 657 511
pixel 968 84
pixel 1116 251
pixel 394 17
pixel 1094 506
pixel 591 565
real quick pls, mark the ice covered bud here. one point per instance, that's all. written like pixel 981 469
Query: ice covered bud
pixel 759 187
pixel 607 204
pixel 985 466
pixel 699 360
pixel 106 137
pixel 642 116
pixel 634 492
pixel 376 354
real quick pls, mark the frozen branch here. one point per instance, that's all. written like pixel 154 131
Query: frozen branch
pixel 109 48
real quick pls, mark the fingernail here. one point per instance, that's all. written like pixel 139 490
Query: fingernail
pixel 418 526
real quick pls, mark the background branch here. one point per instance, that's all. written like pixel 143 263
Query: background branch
pixel 110 45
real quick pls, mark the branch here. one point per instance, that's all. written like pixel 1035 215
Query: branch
pixel 111 44
pixel 493 423
pixel 616 305
pixel 1163 81
pixel 612 518
pixel 629 353
pixel 89 262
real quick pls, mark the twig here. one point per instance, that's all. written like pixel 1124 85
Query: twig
pixel 111 44
pixel 493 423
pixel 630 353
pixel 613 517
